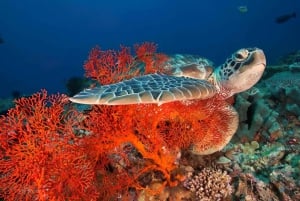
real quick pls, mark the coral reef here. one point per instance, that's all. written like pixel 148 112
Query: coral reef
pixel 256 116
pixel 290 58
pixel 53 150
pixel 261 108
pixel 285 88
pixel 262 172
pixel 50 151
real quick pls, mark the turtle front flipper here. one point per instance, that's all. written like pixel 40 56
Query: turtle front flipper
pixel 152 88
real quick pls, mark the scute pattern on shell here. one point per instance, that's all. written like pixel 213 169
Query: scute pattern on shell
pixel 152 88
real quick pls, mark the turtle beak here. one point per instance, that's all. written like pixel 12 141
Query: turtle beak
pixel 256 62
pixel 253 71
pixel 260 57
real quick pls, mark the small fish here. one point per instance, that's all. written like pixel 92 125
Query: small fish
pixel 243 9
pixel 1 40
pixel 284 18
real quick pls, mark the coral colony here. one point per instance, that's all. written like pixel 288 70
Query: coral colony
pixel 52 149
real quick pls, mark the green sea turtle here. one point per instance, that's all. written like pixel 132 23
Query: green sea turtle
pixel 191 78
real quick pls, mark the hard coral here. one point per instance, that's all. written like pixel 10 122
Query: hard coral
pixel 41 159
pixel 210 184
pixel 257 117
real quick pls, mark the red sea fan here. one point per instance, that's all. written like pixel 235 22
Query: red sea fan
pixel 125 149
pixel 111 66
pixel 108 66
pixel 203 126
pixel 153 61
pixel 156 134
pixel 41 158
pixel 206 126
pixel 49 151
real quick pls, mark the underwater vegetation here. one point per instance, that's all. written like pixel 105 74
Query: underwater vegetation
pixel 52 149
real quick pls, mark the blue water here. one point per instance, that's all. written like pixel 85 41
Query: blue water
pixel 47 43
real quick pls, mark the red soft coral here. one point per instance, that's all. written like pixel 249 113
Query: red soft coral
pixel 41 158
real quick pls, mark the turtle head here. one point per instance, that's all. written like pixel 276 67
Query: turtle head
pixel 240 71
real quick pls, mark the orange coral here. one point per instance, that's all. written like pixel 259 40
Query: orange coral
pixel 146 53
pixel 157 133
pixel 108 66
pixel 49 151
pixel 112 66
pixel 40 156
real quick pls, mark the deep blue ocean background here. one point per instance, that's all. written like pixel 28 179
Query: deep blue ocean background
pixel 47 42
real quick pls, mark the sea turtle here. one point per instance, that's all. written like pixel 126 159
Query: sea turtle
pixel 191 78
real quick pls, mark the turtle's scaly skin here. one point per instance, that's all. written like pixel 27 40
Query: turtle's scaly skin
pixel 191 78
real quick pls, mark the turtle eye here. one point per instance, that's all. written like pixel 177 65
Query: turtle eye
pixel 241 55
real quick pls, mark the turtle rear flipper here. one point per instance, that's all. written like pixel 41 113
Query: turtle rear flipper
pixel 152 88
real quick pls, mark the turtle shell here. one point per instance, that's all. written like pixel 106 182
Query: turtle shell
pixel 187 80
pixel 190 66
pixel 152 88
